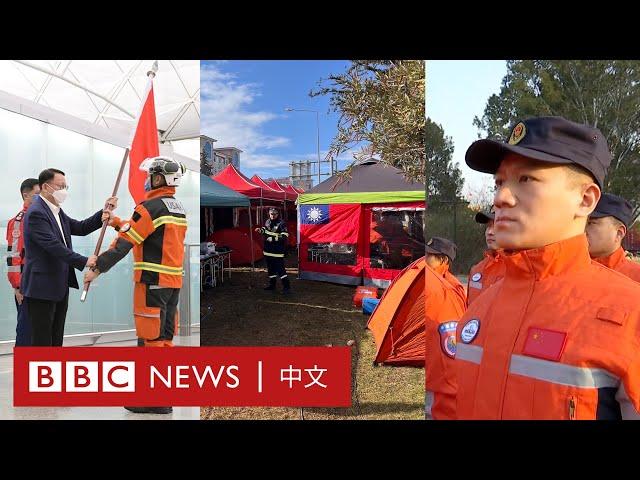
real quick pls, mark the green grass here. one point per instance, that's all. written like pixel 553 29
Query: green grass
pixel 243 314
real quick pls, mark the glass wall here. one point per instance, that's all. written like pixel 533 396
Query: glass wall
pixel 28 146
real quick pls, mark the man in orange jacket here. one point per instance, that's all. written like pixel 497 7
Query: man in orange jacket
pixel 491 268
pixel 156 233
pixel 445 302
pixel 440 254
pixel 15 260
pixel 557 337
pixel 606 228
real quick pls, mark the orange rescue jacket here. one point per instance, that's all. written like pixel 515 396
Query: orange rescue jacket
pixel 156 231
pixel 445 303
pixel 620 263
pixel 557 338
pixel 15 248
pixel 484 274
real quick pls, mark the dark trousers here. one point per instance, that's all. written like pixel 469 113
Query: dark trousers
pixel 275 266
pixel 275 270
pixel 47 321
pixel 23 327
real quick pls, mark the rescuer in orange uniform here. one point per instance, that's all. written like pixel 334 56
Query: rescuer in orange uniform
pixel 491 268
pixel 445 303
pixel 440 254
pixel 557 337
pixel 606 228
pixel 15 259
pixel 156 233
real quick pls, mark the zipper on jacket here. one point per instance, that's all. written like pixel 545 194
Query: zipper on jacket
pixel 572 408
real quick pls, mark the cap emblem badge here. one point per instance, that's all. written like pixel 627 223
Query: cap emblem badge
pixel 517 134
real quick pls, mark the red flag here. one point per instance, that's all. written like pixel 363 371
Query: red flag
pixel 545 344
pixel 144 144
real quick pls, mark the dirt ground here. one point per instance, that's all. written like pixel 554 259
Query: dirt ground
pixel 241 313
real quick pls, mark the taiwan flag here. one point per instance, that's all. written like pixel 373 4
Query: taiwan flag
pixel 330 223
pixel 314 214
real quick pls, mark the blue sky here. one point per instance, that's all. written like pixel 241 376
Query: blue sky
pixel 242 105
pixel 458 90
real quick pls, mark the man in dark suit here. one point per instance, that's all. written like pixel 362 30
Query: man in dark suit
pixel 50 259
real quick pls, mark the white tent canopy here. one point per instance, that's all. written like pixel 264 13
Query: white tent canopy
pixel 108 93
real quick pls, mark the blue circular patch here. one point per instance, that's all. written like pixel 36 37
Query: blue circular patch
pixel 470 330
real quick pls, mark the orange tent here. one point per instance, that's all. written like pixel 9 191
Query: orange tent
pixel 398 321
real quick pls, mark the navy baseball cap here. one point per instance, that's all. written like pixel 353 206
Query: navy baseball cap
pixel 548 139
pixel 613 206
pixel 442 246
pixel 485 217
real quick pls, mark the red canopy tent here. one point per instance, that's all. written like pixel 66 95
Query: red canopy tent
pixel 291 192
pixel 262 195
pixel 232 178
pixel 272 192
pixel 289 197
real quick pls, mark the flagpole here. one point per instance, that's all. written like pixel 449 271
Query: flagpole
pixel 151 74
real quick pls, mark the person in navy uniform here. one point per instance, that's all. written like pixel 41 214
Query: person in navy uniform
pixel 275 243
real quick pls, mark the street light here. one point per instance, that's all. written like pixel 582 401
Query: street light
pixel 288 109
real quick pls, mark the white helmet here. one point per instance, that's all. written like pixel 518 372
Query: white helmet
pixel 166 166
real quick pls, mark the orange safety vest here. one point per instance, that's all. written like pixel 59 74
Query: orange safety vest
pixel 445 303
pixel 484 274
pixel 620 263
pixel 15 247
pixel 557 338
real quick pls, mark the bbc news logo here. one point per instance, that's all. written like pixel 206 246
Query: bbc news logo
pixel 182 376
pixel 82 376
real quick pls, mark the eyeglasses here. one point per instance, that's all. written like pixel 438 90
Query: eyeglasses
pixel 65 187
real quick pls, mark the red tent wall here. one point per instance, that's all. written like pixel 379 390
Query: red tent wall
pixel 238 240
pixel 383 276
pixel 343 228
pixel 350 224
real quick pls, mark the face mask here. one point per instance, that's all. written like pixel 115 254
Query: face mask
pixel 60 195
pixel 147 184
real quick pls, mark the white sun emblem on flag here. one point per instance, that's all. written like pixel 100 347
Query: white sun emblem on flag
pixel 314 214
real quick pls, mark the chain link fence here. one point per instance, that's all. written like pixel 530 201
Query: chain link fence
pixel 455 221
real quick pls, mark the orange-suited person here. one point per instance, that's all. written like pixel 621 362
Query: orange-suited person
pixel 156 233
pixel 491 268
pixel 445 303
pixel 440 254
pixel 557 338
pixel 606 228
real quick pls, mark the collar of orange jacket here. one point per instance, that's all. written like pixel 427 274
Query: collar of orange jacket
pixel 453 280
pixel 441 269
pixel 494 254
pixel 550 260
pixel 611 261
pixel 160 192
